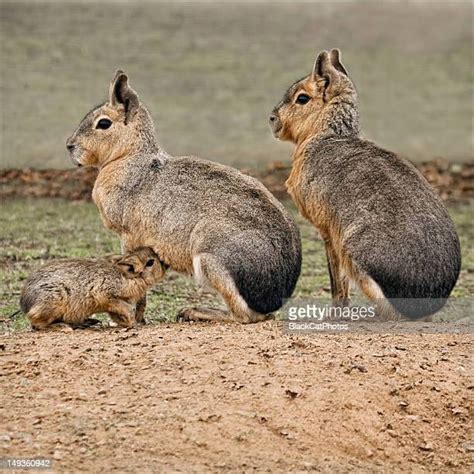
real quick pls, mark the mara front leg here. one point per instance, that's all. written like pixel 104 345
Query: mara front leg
pixel 339 282
pixel 121 313
pixel 127 244
pixel 140 310
pixel 208 269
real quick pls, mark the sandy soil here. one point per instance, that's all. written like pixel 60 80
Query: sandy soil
pixel 200 397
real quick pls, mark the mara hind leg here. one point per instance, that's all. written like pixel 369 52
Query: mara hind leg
pixel 40 318
pixel 88 323
pixel 209 270
pixel 204 314
pixel 384 310
pixel 339 282
pixel 340 267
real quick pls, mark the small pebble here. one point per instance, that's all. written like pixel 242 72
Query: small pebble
pixel 57 455
pixel 468 447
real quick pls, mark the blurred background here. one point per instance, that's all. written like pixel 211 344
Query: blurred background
pixel 211 72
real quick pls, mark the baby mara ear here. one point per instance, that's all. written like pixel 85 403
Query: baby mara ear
pixel 122 95
pixel 130 266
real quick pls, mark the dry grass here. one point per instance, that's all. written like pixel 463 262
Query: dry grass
pixel 35 231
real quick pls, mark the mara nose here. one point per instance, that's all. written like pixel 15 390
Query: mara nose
pixel 273 117
pixel 70 147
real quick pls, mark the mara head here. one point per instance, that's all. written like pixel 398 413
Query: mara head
pixel 120 127
pixel 322 103
pixel 143 263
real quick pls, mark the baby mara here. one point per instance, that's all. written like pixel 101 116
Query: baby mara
pixel 71 290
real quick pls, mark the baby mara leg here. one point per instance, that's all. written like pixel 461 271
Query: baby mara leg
pixel 127 245
pixel 41 317
pixel 140 311
pixel 121 313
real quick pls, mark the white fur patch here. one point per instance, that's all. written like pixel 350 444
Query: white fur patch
pixel 202 280
pixel 197 271
pixel 375 288
pixel 243 304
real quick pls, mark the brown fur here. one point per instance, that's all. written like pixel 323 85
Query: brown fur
pixel 383 225
pixel 202 218
pixel 71 290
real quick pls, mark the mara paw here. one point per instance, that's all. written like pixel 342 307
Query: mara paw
pixel 88 323
pixel 191 314
pixel 203 314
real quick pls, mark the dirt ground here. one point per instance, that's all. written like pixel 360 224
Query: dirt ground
pixel 209 397
pixel 453 181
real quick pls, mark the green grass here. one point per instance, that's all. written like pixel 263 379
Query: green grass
pixel 211 72
pixel 35 231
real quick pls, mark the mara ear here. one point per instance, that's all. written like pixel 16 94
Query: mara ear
pixel 127 268
pixel 120 93
pixel 335 56
pixel 115 259
pixel 130 265
pixel 325 75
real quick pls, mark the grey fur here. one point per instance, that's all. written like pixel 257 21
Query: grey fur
pixel 401 234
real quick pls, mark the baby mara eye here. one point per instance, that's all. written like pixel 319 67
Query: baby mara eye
pixel 149 263
pixel 103 124
pixel 303 99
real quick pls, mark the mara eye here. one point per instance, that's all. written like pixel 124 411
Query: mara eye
pixel 303 99
pixel 103 124
pixel 150 263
